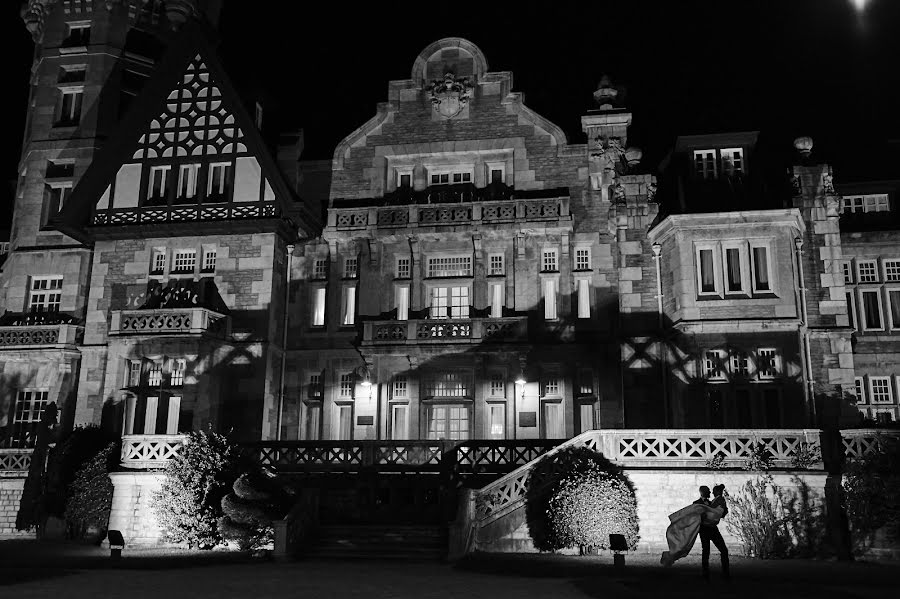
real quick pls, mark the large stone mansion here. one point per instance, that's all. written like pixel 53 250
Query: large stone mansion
pixel 459 269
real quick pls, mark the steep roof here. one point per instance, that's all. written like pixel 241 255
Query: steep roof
pixel 188 113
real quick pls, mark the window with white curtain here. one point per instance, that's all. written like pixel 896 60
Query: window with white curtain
pixel 496 420
pixel 554 427
pixel 348 306
pixel 344 422
pixel 401 302
pixel 496 300
pixel 318 307
pixel 400 422
pixel 584 298
pixel 550 288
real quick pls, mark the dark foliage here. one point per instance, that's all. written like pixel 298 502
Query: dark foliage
pixel 871 495
pixel 248 511
pixel 90 495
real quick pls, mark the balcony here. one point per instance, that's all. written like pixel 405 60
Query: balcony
pixel 468 330
pixel 463 212
pixel 39 330
pixel 150 452
pixel 169 321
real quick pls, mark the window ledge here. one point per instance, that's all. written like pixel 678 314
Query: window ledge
pixel 73 49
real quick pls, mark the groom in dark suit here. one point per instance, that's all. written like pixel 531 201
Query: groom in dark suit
pixel 710 531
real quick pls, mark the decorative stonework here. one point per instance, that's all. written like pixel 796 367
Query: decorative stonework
pixel 450 95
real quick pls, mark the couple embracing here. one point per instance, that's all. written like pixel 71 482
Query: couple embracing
pixel 701 518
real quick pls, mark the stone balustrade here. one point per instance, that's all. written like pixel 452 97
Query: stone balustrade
pixel 168 321
pixel 462 330
pixel 646 449
pixel 860 442
pixel 150 452
pixel 40 335
pixel 14 462
pixel 466 213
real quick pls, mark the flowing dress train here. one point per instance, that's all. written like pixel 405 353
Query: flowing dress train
pixel 683 530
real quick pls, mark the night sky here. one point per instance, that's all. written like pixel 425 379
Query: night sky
pixel 785 68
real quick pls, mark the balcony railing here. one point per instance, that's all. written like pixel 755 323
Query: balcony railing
pixel 150 451
pixel 469 330
pixel 468 213
pixel 860 442
pixel 182 213
pixel 14 462
pixel 39 329
pixel 168 321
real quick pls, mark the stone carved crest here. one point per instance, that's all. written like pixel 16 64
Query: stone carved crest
pixel 828 183
pixel 450 95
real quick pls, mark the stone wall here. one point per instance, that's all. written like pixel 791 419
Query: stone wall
pixel 10 497
pixel 131 513
pixel 659 493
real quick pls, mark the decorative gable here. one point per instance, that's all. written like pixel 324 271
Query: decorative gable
pixel 186 155
pixel 192 163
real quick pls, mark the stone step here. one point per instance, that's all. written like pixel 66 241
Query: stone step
pixel 380 542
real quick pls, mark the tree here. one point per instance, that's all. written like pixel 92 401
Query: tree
pixel 249 510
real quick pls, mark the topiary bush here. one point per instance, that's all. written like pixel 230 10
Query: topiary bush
pixel 90 495
pixel 577 498
pixel 249 510
pixel 189 503
pixel 68 457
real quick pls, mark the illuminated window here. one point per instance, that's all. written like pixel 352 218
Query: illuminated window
pixel 496 297
pixel 132 373
pixel 740 363
pixel 450 177
pixel 447 384
pixel 496 420
pixel 584 298
pixel 46 294
pixel 865 203
pixel 400 422
pixel 348 306
pixel 448 421
pixel 401 301
pixel 452 302
pixel 318 307
pixel 585 382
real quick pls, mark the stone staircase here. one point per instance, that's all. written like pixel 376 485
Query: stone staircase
pixel 421 542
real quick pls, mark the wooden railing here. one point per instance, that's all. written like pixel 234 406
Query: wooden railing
pixel 861 442
pixel 456 457
pixel 150 451
pixel 167 321
pixel 14 462
pixel 463 330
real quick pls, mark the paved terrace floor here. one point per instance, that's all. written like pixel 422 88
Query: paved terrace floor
pixel 34 570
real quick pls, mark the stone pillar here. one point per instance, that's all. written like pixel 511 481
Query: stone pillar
pixel 131 513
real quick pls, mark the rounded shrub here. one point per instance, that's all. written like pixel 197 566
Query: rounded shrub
pixel 577 498
pixel 189 502
pixel 90 496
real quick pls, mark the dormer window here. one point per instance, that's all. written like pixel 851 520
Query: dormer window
pixel 157 188
pixel 710 164
pixel 732 161
pixel 705 163
pixel 404 179
pixel 218 181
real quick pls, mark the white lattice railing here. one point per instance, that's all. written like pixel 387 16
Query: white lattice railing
pixel 646 448
pixel 150 451
pixel 860 442
pixel 14 462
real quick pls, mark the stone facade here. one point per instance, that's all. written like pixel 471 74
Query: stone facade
pixel 10 498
